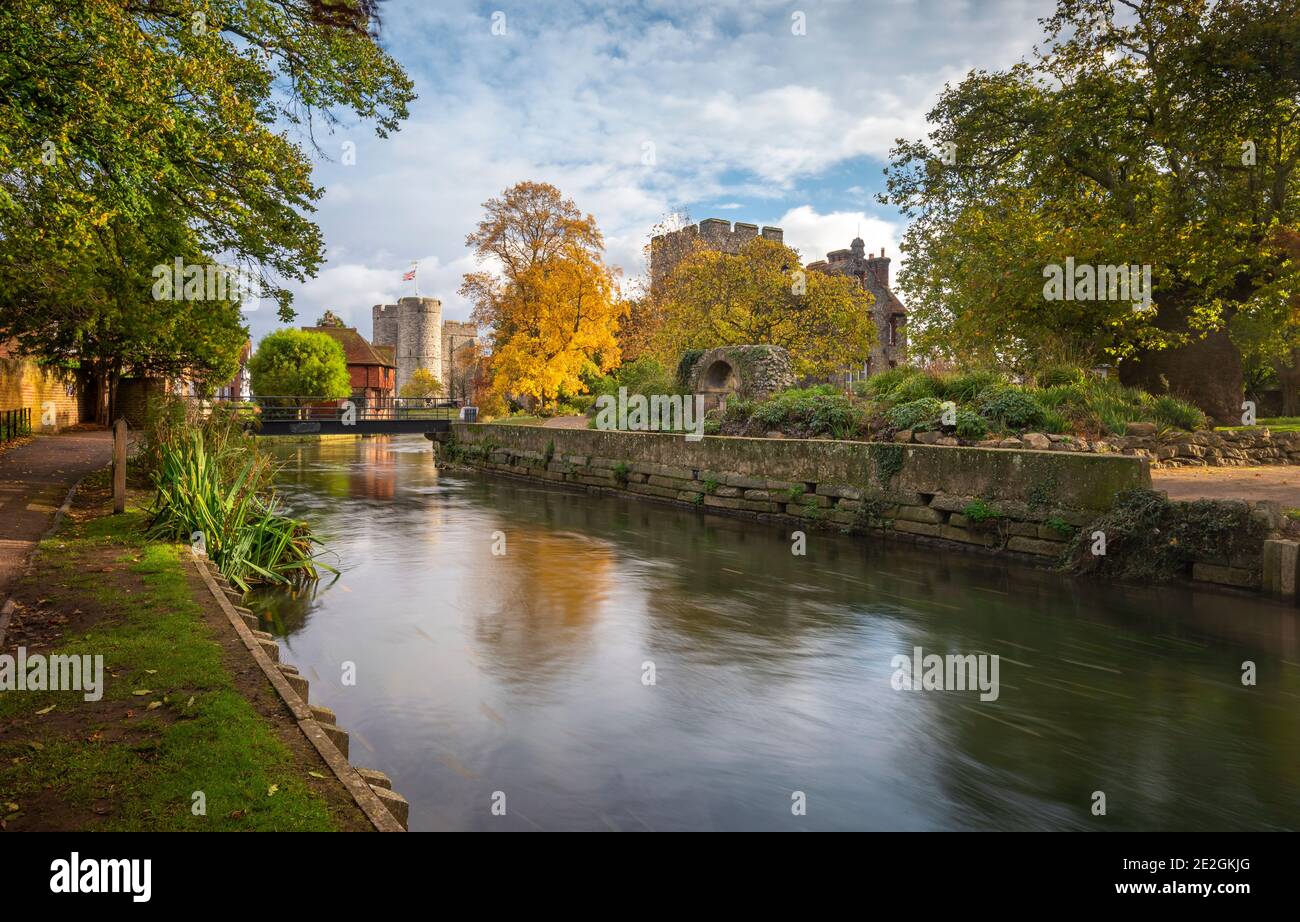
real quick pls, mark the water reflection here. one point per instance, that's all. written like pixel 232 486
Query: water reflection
pixel 523 672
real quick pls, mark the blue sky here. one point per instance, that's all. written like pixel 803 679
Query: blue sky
pixel 747 120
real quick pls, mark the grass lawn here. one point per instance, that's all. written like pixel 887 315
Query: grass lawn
pixel 519 421
pixel 173 720
pixel 1276 424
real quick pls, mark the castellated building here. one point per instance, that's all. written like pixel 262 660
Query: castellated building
pixel 667 250
pixel 871 271
pixel 414 329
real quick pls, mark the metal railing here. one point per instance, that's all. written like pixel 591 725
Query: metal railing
pixel 14 424
pixel 354 409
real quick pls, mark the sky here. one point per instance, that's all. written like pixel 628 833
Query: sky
pixel 637 111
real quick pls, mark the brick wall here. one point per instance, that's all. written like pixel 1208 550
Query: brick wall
pixel 51 395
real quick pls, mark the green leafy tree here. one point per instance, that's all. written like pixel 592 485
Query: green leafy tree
pixel 300 363
pixel 761 295
pixel 1159 133
pixel 135 133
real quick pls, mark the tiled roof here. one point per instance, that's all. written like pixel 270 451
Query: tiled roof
pixel 357 348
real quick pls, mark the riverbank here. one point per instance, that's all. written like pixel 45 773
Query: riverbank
pixel 188 734
pixel 1040 505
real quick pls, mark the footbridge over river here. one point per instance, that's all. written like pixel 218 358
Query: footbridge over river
pixel 281 416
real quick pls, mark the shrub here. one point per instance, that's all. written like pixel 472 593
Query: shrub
pixel 810 412
pixel 645 375
pixel 1152 539
pixel 883 384
pixel 915 387
pixel 243 532
pixel 1058 375
pixel 915 413
pixel 1180 414
pixel 965 387
pixel 1010 407
pixel 971 425
pixel 977 510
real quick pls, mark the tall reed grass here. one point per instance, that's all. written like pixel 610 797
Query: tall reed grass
pixel 212 479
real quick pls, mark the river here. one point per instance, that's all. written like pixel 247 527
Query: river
pixel 530 658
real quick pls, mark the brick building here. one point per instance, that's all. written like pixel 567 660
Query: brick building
pixel 372 369
pixel 51 394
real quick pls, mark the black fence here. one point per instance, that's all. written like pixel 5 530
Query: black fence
pixel 350 415
pixel 14 424
pixel 357 409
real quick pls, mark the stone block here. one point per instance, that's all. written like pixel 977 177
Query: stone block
pixel 920 514
pixel 1281 567
pixel 918 528
pixel 652 490
pixel 840 491
pixel 1034 546
pixel 1224 576
pixel 375 778
pixel 396 804
pixel 983 539
pixel 338 737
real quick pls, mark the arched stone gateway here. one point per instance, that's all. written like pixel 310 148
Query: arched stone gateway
pixel 752 372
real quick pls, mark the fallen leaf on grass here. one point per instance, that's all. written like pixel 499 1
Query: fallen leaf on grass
pixel 12 808
pixel 38 746
pixel 237 814
pixel 190 703
pixel 316 774
pixel 44 711
pixel 141 692
pixel 272 790
pixel 153 705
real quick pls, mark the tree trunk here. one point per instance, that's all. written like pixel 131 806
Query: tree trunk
pixel 1206 372
pixel 1288 376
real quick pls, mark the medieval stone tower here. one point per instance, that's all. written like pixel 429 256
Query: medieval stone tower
pixel 413 328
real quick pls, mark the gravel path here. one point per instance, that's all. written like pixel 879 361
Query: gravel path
pixel 1280 482
pixel 34 479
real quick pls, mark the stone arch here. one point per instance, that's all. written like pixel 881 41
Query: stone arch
pixel 747 371
pixel 721 376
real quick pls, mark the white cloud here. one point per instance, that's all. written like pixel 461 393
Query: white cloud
pixel 814 235
pixel 739 110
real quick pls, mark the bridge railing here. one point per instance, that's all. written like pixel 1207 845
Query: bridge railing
pixel 352 409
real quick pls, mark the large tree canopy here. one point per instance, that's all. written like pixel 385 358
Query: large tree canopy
pixel 133 132
pixel 551 303
pixel 1159 133
pixel 762 295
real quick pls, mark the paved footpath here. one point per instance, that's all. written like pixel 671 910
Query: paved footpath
pixel 34 480
pixel 1279 482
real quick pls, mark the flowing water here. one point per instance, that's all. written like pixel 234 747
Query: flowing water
pixel 628 666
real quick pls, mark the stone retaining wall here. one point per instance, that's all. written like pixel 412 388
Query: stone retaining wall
pixel 1231 448
pixel 372 790
pixel 1019 502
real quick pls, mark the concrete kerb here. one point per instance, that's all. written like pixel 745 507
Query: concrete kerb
pixel 386 810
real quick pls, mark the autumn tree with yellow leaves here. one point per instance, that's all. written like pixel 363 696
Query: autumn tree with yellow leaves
pixel 762 295
pixel 549 300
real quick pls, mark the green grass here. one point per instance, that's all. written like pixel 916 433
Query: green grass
pixel 1275 424
pixel 518 421
pixel 203 736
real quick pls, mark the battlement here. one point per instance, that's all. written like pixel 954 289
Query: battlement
pixel 666 250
